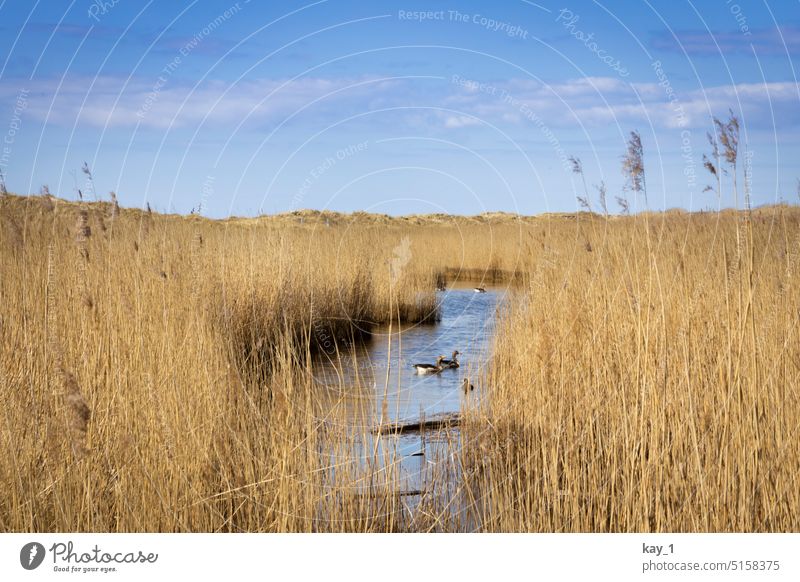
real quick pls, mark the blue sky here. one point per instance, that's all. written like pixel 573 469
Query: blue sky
pixel 402 107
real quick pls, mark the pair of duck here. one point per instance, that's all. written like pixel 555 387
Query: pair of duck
pixel 441 364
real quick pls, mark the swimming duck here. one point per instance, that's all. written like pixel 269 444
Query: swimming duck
pixel 452 363
pixel 466 386
pixel 430 368
pixel 480 289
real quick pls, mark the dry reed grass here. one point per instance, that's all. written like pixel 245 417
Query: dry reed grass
pixel 154 371
pixel 649 391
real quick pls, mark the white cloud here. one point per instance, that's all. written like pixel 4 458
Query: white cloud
pixel 165 102
pixel 592 101
pixel 456 121
pixel 779 40
pixel 595 101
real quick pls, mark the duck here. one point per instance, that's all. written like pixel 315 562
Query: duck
pixel 441 287
pixel 430 368
pixel 480 289
pixel 452 363
pixel 466 386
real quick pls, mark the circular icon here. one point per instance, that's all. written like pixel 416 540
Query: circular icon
pixel 31 555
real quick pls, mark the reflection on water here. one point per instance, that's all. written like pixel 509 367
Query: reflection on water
pixel 375 382
pixel 385 363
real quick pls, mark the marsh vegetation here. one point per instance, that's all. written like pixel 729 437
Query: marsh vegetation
pixel 156 371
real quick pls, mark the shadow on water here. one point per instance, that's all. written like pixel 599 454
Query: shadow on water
pixel 374 386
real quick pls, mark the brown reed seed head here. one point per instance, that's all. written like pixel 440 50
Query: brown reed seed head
pixel 78 413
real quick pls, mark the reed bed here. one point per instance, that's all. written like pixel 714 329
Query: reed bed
pixel 648 382
pixel 155 371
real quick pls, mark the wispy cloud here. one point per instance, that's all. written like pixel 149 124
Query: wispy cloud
pixel 456 121
pixel 609 100
pixel 766 41
pixel 74 30
pixel 590 101
pixel 165 102
pixel 212 46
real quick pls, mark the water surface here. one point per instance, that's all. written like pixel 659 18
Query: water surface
pixel 375 382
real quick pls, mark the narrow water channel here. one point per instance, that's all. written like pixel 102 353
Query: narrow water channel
pixel 357 383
